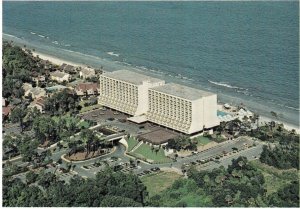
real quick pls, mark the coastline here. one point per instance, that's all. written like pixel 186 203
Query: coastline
pixel 54 60
pixel 59 61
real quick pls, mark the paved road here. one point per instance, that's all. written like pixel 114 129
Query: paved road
pixel 119 153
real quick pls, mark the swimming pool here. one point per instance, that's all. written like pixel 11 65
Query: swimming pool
pixel 220 113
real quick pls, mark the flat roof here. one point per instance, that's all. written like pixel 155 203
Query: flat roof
pixel 181 91
pixel 131 77
pixel 159 136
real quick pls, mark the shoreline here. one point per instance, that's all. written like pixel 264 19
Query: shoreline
pixel 59 61
pixel 58 56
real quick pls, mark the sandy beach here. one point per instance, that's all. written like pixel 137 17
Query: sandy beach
pixel 55 60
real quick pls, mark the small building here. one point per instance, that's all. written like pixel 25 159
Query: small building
pixel 39 79
pixel 27 86
pixel 158 137
pixel 39 104
pixel 36 92
pixel 6 112
pixel 87 72
pixel 87 89
pixel 60 76
pixel 70 69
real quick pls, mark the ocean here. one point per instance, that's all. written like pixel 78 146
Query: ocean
pixel 247 52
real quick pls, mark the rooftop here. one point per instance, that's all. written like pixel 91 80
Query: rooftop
pixel 159 136
pixel 181 91
pixel 59 74
pixel 131 77
pixel 87 86
pixel 88 71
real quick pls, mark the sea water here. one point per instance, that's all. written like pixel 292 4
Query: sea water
pixel 247 52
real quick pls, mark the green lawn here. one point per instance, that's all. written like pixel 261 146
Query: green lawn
pixel 144 151
pixel 202 140
pixel 158 182
pixel 85 124
pixel 131 143
pixel 275 178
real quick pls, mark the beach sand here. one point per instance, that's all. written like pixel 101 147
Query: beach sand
pixel 54 60
pixel 263 120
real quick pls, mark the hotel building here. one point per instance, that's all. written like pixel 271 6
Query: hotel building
pixel 126 91
pixel 182 108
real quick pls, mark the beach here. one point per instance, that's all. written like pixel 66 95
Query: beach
pixel 54 60
pixel 60 61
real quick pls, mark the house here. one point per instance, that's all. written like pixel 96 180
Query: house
pixel 59 76
pixel 39 104
pixel 6 112
pixel 39 79
pixel 27 86
pixel 4 102
pixel 68 68
pixel 87 89
pixel 87 72
pixel 35 92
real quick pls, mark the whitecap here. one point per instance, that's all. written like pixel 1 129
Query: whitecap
pixel 41 36
pixel 224 85
pixel 113 54
pixel 33 33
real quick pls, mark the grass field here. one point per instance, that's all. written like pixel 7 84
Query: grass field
pixel 158 182
pixel 131 143
pixel 202 140
pixel 145 151
pixel 275 178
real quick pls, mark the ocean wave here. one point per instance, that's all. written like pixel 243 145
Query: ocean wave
pixel 113 54
pixel 41 36
pixel 33 33
pixel 55 42
pixel 293 108
pixel 9 35
pixel 225 85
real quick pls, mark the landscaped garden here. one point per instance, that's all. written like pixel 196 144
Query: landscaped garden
pixel 132 142
pixel 155 155
pixel 202 140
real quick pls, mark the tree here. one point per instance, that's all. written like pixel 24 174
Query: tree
pixel 117 201
pixel 17 115
pixel 31 177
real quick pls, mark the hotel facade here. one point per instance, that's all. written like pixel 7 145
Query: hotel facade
pixel 182 108
pixel 126 91
pixel 175 106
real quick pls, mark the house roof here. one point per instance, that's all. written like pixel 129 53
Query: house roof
pixel 59 74
pixel 88 71
pixel 27 86
pixel 40 101
pixel 37 91
pixel 87 86
pixel 6 110
pixel 69 68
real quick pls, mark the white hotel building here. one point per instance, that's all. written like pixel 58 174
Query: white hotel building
pixel 182 108
pixel 175 106
pixel 126 91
